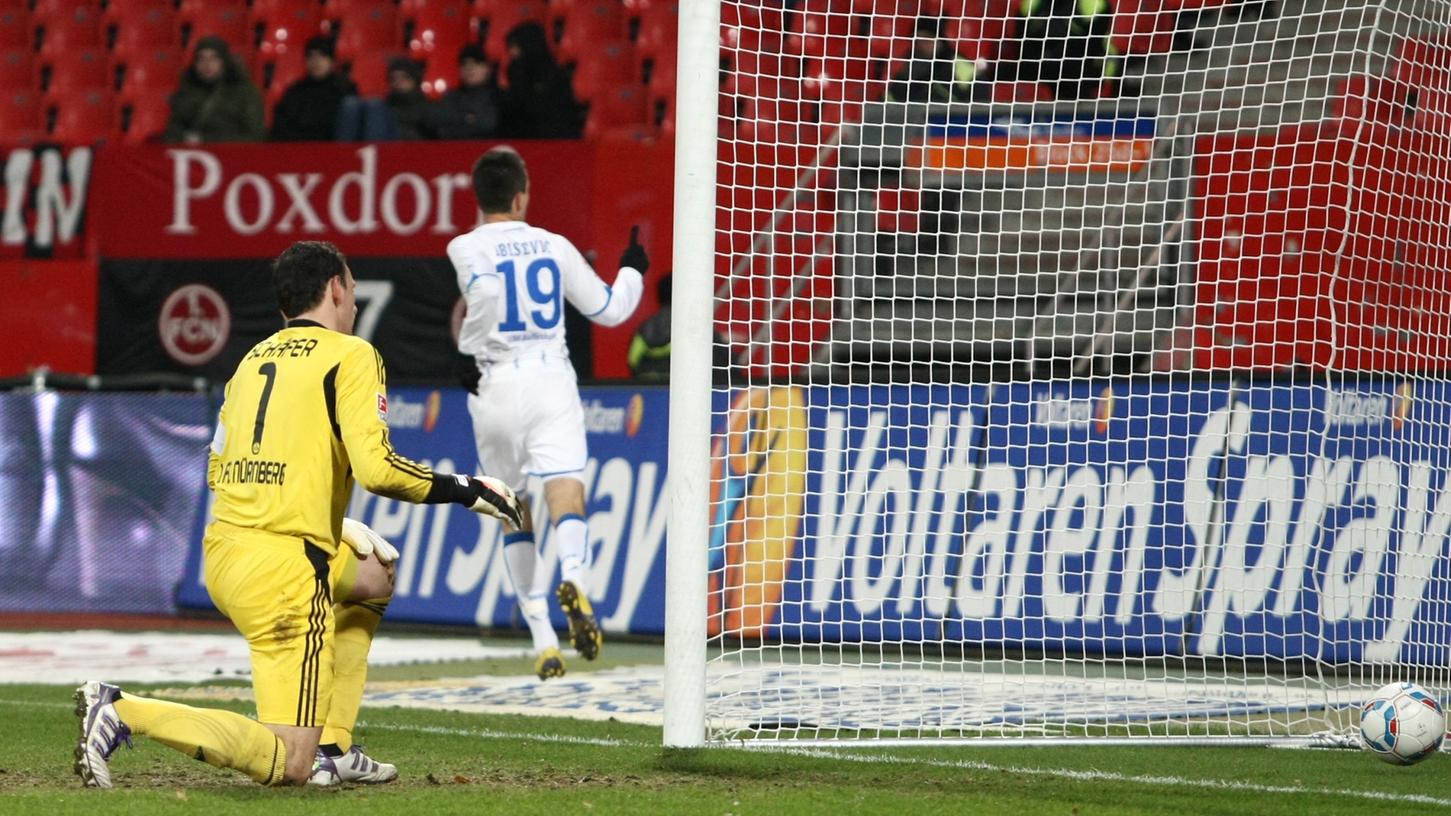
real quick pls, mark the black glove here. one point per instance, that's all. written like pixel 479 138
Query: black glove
pixel 494 498
pixel 467 371
pixel 635 256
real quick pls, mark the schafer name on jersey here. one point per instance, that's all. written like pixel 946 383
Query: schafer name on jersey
pixel 294 347
pixel 252 471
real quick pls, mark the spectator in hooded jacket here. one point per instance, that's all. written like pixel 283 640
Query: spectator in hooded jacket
pixel 216 101
pixel 308 110
pixel 470 111
pixel 540 102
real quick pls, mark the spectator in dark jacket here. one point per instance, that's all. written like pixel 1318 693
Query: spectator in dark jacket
pixel 470 111
pixel 406 100
pixel 649 355
pixel 540 102
pixel 934 71
pixel 309 108
pixel 400 115
pixel 216 101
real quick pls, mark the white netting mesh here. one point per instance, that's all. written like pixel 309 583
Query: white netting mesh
pixel 1080 366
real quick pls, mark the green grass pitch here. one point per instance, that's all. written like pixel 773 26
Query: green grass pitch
pixel 469 763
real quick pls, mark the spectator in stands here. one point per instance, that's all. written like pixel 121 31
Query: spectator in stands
pixel 934 72
pixel 216 101
pixel 470 111
pixel 399 115
pixel 649 354
pixel 1066 45
pixel 406 100
pixel 540 102
pixel 308 110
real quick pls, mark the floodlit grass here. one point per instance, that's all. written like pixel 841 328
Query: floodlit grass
pixel 468 763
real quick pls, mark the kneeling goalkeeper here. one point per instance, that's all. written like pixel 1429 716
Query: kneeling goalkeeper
pixel 305 412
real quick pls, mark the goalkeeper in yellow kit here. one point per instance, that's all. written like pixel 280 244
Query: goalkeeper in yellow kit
pixel 305 413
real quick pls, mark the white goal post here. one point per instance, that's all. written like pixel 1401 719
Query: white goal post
pixel 1058 370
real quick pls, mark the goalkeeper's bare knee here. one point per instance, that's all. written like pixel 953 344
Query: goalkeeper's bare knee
pixel 374 582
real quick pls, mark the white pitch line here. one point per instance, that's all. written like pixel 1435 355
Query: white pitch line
pixel 888 759
pixel 506 735
pixel 36 704
pixel 1111 776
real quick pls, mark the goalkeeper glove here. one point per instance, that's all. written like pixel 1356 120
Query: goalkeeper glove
pixel 635 256
pixel 363 540
pixel 468 373
pixel 494 498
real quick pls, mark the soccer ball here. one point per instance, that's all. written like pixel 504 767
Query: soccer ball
pixel 1402 723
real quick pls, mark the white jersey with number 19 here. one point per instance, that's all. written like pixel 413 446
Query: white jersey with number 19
pixel 515 279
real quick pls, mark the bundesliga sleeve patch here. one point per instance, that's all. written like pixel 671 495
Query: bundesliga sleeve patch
pixel 383 407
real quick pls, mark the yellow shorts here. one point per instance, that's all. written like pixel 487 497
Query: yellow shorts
pixel 279 592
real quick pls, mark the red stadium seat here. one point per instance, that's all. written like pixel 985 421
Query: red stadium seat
pixel 370 27
pixel 118 11
pixel 658 30
pixel 22 119
pixel 891 37
pixel 439 30
pixel 369 71
pixel 621 107
pixel 817 30
pixel 440 73
pixel 18 70
pixel 286 28
pixel 156 72
pixel 662 74
pixel 144 31
pixel 590 25
pixel 274 11
pixel 602 67
pixel 81 28
pixel 764 59
pixel 46 11
pixel 503 18
pixel 15 29
pixel 74 71
pixel 85 118
pixel 145 118
pixel 230 22
pixel 282 72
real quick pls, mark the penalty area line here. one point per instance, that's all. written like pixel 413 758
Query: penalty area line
pixel 1113 776
pixel 484 733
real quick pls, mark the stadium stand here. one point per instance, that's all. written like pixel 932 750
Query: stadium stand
pixel 228 20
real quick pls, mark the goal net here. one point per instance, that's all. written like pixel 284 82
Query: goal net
pixel 1078 370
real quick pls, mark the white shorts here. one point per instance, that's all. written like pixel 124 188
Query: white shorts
pixel 528 422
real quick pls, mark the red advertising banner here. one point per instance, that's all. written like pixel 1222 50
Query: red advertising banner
pixel 399 200
pixel 49 315
pixel 43 206
pixel 395 199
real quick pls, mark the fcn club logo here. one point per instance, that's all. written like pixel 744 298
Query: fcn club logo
pixel 194 324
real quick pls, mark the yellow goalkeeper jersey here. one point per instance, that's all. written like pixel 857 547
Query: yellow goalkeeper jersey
pixel 305 412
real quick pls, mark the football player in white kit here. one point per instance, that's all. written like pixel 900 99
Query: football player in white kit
pixel 528 420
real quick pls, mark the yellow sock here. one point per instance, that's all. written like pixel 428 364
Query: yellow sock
pixel 352 638
pixel 221 738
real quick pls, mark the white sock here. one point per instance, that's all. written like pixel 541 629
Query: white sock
pixel 571 536
pixel 519 560
pixel 536 614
